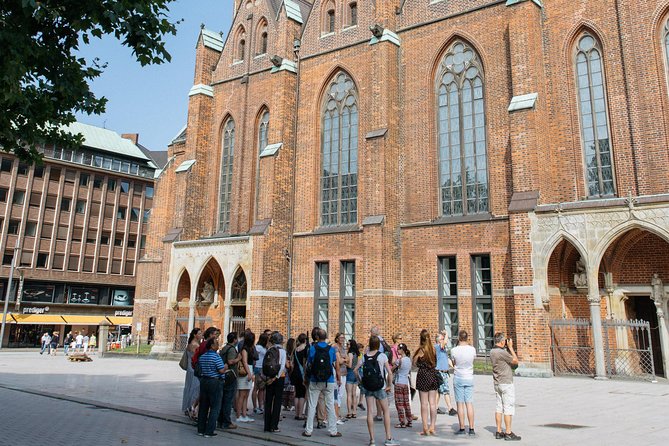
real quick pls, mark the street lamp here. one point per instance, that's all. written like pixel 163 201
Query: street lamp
pixel 9 293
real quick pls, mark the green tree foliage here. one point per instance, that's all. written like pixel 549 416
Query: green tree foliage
pixel 43 82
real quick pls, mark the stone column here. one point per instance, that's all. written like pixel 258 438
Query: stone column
pixel 103 335
pixel 226 315
pixel 191 308
pixel 595 299
pixel 664 336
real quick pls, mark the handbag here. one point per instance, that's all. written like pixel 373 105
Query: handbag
pixel 183 363
pixel 440 379
pixel 241 370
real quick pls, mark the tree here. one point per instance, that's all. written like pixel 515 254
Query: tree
pixel 43 82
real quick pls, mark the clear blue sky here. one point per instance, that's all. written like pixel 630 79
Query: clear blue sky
pixel 153 100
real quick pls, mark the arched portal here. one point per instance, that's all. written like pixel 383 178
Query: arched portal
pixel 183 299
pixel 239 291
pixel 567 282
pixel 209 293
pixel 629 271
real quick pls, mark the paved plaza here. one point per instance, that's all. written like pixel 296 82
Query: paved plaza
pixel 137 401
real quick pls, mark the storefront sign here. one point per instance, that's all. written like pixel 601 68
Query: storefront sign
pixel 87 296
pixel 38 293
pixel 122 298
pixel 35 310
pixel 123 313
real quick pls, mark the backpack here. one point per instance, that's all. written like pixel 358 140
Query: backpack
pixel 388 351
pixel 197 369
pixel 272 363
pixel 321 368
pixel 372 379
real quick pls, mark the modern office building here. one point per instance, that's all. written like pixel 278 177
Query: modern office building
pixel 74 227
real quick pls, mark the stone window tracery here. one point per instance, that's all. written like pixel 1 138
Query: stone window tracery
pixel 225 191
pixel 598 160
pixel 261 38
pixel 463 162
pixel 339 153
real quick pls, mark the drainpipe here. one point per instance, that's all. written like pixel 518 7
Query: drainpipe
pixel 289 252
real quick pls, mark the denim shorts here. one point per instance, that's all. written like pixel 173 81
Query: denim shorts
pixel 378 394
pixel 464 390
pixel 257 371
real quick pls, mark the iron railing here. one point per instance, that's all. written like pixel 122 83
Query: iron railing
pixel 571 347
pixel 628 348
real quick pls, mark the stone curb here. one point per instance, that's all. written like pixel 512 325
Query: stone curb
pixel 239 432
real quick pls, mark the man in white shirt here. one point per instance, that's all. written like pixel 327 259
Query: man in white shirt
pixel 85 342
pixel 463 384
pixel 79 341
pixel 46 343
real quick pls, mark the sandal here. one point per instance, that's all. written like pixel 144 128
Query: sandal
pixel 400 426
pixel 354 415
pixel 424 433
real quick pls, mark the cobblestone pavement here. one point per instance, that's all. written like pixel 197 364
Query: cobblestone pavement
pixel 35 420
pixel 595 412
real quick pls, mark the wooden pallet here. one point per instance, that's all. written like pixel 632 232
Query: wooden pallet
pixel 79 357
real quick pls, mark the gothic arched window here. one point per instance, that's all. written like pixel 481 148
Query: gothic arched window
pixel 226 175
pixel 263 127
pixel 339 151
pixel 594 118
pixel 261 37
pixel 463 160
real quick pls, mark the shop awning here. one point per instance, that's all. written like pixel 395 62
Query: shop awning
pixel 119 320
pixel 37 319
pixel 84 320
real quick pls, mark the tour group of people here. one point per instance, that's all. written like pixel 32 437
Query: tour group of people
pixel 78 342
pixel 327 381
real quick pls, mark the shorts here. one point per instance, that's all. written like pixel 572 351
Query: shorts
pixel 257 371
pixel 506 399
pixel 351 377
pixel 464 390
pixel 444 389
pixel 78 346
pixel 243 383
pixel 378 394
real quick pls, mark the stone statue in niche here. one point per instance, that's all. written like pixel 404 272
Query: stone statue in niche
pixel 207 293
pixel 581 274
pixel 658 289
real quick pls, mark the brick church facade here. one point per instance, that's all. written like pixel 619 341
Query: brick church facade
pixel 458 164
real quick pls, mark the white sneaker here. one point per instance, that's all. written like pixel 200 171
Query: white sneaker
pixel 391 442
pixel 250 420
pixel 243 419
pixel 340 422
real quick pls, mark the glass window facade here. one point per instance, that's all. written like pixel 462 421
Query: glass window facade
pixel 482 305
pixel 339 151
pixel 448 297
pixel 594 118
pixel 226 175
pixel 463 162
pixel 322 294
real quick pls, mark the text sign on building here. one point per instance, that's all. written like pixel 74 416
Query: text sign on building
pixel 35 310
pixel 123 313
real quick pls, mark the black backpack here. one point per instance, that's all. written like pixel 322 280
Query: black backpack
pixel 321 368
pixel 272 363
pixel 372 379
pixel 388 351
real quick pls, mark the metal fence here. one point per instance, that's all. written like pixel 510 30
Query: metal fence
pixel 628 349
pixel 571 347
pixel 238 324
